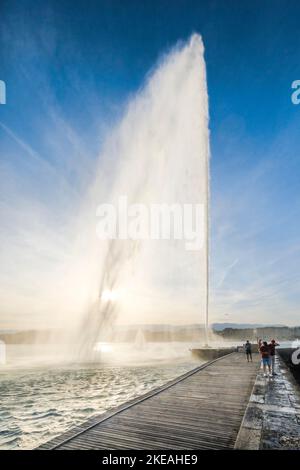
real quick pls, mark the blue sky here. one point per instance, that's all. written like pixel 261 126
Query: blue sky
pixel 82 60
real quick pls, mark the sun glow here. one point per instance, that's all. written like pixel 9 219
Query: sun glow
pixel 109 295
pixel 103 347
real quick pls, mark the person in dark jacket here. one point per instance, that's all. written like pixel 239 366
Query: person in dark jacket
pixel 272 345
pixel 248 350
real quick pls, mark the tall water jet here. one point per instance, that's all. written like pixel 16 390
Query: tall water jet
pixel 157 155
pixel 160 153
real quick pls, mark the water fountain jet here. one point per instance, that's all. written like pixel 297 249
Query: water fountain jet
pixel 157 154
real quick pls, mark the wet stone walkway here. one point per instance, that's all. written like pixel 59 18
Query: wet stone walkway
pixel 272 418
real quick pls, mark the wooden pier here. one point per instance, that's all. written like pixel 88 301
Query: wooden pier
pixel 202 409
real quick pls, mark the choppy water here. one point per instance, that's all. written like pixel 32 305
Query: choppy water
pixel 37 404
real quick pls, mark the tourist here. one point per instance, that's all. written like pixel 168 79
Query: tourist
pixel 265 356
pixel 272 351
pixel 248 351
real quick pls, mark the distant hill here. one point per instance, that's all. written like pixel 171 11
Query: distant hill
pixel 242 326
pixel 162 333
pixel 281 333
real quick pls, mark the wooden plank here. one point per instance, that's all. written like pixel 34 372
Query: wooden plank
pixel 202 409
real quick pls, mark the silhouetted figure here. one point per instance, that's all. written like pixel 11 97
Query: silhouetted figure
pixel 272 347
pixel 248 350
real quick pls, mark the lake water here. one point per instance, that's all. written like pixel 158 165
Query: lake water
pixel 39 402
pixel 41 396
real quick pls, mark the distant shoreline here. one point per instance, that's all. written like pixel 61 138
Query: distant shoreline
pixel 160 333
